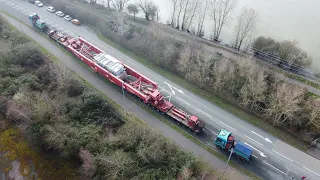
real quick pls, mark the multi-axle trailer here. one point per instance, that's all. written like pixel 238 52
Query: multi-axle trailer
pixel 123 76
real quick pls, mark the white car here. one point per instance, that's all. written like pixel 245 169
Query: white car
pixel 67 17
pixel 38 3
pixel 59 13
pixel 51 9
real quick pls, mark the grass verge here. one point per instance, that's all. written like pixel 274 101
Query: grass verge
pixel 224 104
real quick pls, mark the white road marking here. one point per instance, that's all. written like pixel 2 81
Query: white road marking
pixel 204 113
pixel 183 101
pixel 18 8
pixel 266 139
pixel 228 126
pixel 253 140
pixel 282 155
pixel 213 132
pixel 254 156
pixel 170 86
pixel 25 13
pixel 260 152
pixel 162 89
pixel 311 171
pixel 10 3
pixel 277 169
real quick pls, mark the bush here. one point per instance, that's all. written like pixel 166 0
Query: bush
pixel 26 55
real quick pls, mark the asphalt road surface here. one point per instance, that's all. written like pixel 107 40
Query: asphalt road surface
pixel 273 159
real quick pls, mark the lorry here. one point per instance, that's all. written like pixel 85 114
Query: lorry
pixel 126 78
pixel 37 22
pixel 226 142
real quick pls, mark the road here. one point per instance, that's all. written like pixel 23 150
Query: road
pixel 274 159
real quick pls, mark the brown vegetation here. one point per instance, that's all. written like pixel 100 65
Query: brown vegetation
pixel 60 114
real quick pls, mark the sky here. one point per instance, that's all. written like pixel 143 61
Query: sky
pixel 280 19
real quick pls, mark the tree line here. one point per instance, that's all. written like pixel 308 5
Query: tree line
pixel 244 82
pixel 190 15
pixel 57 112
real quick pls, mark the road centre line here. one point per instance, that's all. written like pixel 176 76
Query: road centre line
pixel 253 140
pixel 282 155
pixel 228 126
pixel 277 169
pixel 204 112
pixel 311 171
pixel 254 156
pixel 252 147
pixel 183 101
pixel 257 134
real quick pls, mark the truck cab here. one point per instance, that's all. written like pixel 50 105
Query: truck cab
pixel 224 140
pixel 36 22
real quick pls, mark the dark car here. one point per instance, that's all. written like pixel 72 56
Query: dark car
pixel 31 1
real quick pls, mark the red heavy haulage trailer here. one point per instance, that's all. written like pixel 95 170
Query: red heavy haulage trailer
pixel 125 77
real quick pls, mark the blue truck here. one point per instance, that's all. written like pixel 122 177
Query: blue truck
pixel 226 142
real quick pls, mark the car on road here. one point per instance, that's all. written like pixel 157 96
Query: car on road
pixel 38 3
pixel 75 21
pixel 67 18
pixel 59 13
pixel 51 9
pixel 31 1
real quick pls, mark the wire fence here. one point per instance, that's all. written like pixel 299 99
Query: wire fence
pixel 308 73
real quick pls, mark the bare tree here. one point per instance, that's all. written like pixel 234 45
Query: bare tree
pixel 201 17
pixel 118 23
pixel 223 73
pixel 133 9
pixel 186 12
pixel 285 102
pixel 119 5
pixel 289 51
pixel 174 10
pixel 245 26
pixel 313 112
pixel 255 87
pixel 181 4
pixel 221 10
pixel 195 5
pixel 149 8
pixel 108 3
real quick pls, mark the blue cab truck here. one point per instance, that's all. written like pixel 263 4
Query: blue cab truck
pixel 226 141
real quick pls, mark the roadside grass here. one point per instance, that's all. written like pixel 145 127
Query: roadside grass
pixel 305 81
pixel 222 103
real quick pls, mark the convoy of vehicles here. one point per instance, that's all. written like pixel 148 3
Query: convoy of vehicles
pixel 123 76
pixel 138 85
pixel 226 142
